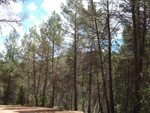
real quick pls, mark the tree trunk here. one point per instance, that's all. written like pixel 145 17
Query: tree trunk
pixel 53 79
pixel 75 65
pixel 7 91
pixel 141 54
pixel 101 62
pixel 99 97
pixel 34 73
pixel 28 87
pixel 83 94
pixel 136 94
pixel 90 81
pixel 127 90
pixel 109 59
pixel 39 78
pixel 71 99
pixel 98 91
pixel 45 81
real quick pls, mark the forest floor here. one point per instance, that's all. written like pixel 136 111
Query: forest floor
pixel 25 109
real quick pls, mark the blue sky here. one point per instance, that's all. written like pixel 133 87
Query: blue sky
pixel 37 11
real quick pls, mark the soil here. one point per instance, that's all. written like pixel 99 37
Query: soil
pixel 24 109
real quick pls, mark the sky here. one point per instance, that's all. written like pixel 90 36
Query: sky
pixel 37 11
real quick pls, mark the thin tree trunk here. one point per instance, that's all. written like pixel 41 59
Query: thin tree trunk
pixel 143 39
pixel 90 81
pixel 127 91
pixel 75 65
pixel 28 87
pixel 34 73
pixel 109 59
pixel 28 95
pixel 53 94
pixel 139 37
pixel 53 79
pixel 99 97
pixel 71 99
pixel 101 62
pixel 102 70
pixel 83 94
pixel 39 78
pixel 45 81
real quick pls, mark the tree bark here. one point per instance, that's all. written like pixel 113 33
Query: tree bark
pixel 127 90
pixel 101 61
pixel 75 65
pixel 34 73
pixel 45 81
pixel 53 79
pixel 109 59
pixel 98 90
pixel 7 91
pixel 143 38
pixel 136 94
pixel 39 77
pixel 28 87
pixel 90 81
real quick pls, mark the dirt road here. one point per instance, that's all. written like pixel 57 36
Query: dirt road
pixel 22 109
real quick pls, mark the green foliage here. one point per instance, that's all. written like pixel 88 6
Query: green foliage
pixel 21 96
pixel 145 100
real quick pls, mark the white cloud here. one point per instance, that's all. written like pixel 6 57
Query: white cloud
pixel 32 7
pixel 45 17
pixel 32 17
pixel 37 23
pixel 19 41
pixel 52 5
pixel 85 3
pixel 7 29
pixel 2 48
pixel 16 6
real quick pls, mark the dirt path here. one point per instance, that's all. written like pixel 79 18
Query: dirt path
pixel 22 109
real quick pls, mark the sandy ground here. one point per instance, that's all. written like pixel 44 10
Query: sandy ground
pixel 23 109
